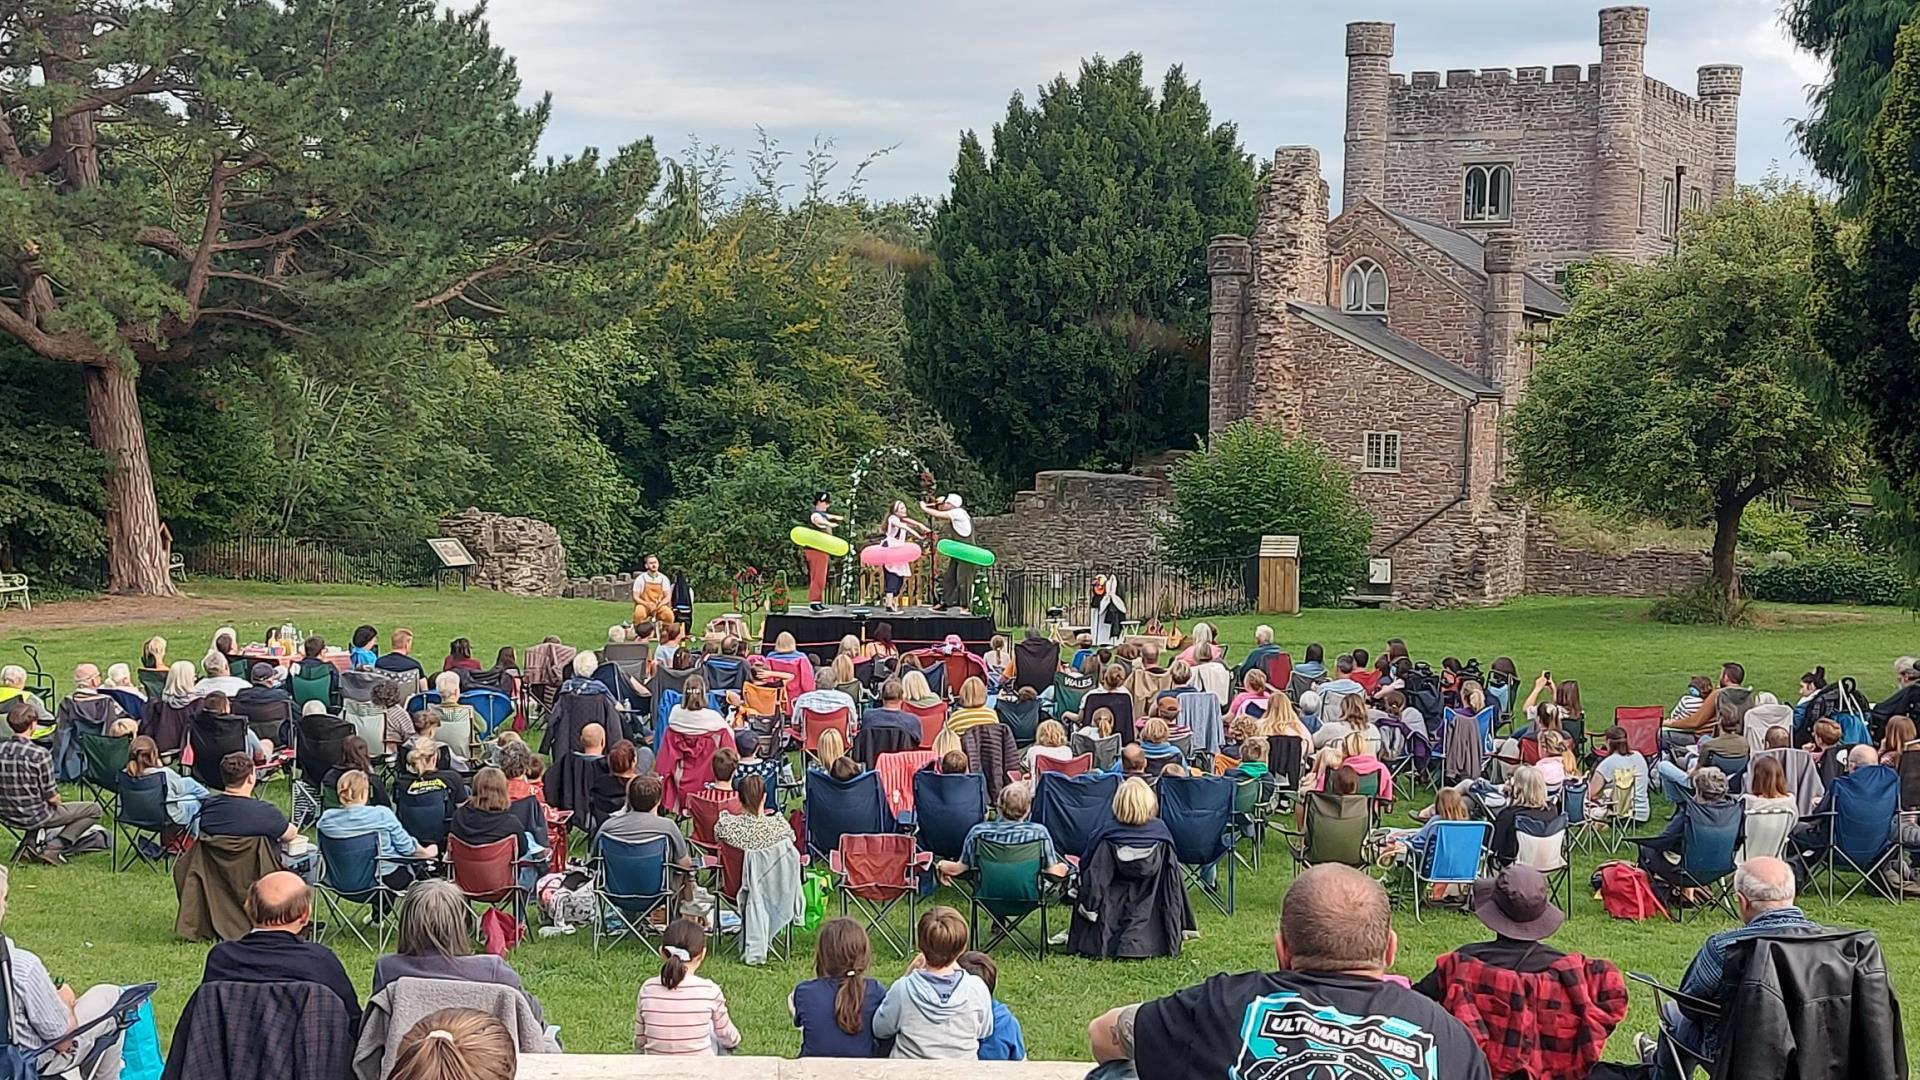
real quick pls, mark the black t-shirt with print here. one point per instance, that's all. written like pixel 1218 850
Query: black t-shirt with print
pixel 1287 1024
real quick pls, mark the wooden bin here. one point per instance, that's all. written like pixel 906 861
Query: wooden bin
pixel 1279 575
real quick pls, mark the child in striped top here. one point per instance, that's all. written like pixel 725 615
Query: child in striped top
pixel 678 1012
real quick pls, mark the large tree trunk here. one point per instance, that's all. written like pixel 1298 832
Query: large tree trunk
pixel 1726 537
pixel 136 559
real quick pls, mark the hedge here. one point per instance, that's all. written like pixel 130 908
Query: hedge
pixel 1829 578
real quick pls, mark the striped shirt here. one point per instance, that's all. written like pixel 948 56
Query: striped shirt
pixel 689 1019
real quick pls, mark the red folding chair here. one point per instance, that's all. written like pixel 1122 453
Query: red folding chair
pixel 799 671
pixel 732 864
pixel 814 724
pixel 490 874
pixel 1073 766
pixel 896 778
pixel 877 871
pixel 933 718
pixel 1278 668
pixel 1643 723
pixel 705 807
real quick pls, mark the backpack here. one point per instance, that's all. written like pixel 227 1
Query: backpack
pixel 1626 892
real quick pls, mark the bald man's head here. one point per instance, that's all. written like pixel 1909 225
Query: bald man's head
pixel 280 901
pixel 1763 883
pixel 1861 756
pixel 593 739
pixel 1133 761
pixel 1335 918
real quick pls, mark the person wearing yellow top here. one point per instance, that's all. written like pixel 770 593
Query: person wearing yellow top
pixel 973 711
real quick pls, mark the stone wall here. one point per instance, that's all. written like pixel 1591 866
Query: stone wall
pixel 516 555
pixel 600 587
pixel 1075 518
pixel 1432 301
pixel 1554 569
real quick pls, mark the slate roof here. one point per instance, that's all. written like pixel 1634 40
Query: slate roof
pixel 1371 333
pixel 1467 250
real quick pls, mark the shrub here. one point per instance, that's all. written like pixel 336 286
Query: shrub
pixel 1829 576
pixel 1704 604
pixel 1764 530
pixel 736 514
pixel 1250 481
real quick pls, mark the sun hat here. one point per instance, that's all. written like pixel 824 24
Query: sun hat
pixel 1517 903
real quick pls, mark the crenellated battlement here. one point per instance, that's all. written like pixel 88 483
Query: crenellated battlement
pixel 1471 79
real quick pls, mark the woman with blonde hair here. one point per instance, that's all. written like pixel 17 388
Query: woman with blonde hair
pixel 1049 741
pixel 1135 803
pixel 1282 719
pixel 831 747
pixel 1254 691
pixel 153 654
pixel 456 1044
pixel 916 691
pixel 1526 798
pixel 946 743
pixel 973 711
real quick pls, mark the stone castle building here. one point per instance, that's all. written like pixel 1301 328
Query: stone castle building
pixel 1399 333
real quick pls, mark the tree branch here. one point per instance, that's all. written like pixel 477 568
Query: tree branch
pixel 508 264
pixel 163 240
pixel 147 82
pixel 331 217
pixel 243 315
pixel 73 348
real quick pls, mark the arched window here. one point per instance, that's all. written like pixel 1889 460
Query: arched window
pixel 1363 289
pixel 1489 193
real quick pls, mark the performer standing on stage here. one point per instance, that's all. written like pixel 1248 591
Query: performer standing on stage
pixel 1109 612
pixel 817 559
pixel 956 581
pixel 652 595
pixel 901 529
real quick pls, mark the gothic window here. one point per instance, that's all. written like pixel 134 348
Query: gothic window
pixel 1363 289
pixel 1696 199
pixel 1383 452
pixel 1669 206
pixel 1489 190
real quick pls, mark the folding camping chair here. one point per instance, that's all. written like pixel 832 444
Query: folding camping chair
pixel 141 819
pixel 932 719
pixel 1073 807
pixel 348 877
pixel 814 724
pixel 705 808
pixel 1642 724
pixel 1455 855
pixel 494 708
pixel 728 886
pixel 1334 830
pixel 946 807
pixel 1104 751
pixel 1706 861
pixel 897 771
pixel 1859 814
pixel 1021 717
pixel 1544 846
pixel 1198 811
pixel 489 874
pixel 834 808
pixel 631 881
pixel 1010 883
pixel 1073 766
pixel 106 762
pixel 876 871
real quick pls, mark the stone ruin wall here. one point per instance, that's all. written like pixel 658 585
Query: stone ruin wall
pixel 516 555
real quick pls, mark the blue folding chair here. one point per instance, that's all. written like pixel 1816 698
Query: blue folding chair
pixel 1021 717
pixel 631 881
pixel 421 700
pixel 494 708
pixel 424 816
pixel 948 806
pixel 723 673
pixel 1455 854
pixel 1859 814
pixel 836 808
pixel 348 876
pixel 1707 853
pixel 1073 808
pixel 1198 811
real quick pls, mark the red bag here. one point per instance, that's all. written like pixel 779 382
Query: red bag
pixel 499 931
pixel 1627 893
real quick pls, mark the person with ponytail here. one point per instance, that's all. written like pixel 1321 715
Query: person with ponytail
pixel 456 1044
pixel 679 1012
pixel 834 1009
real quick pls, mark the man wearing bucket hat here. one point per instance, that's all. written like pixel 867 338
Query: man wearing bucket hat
pixel 956 581
pixel 1501 989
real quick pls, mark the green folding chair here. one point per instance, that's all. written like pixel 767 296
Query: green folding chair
pixel 1009 885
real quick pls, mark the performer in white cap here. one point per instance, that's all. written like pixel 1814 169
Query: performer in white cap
pixel 956 581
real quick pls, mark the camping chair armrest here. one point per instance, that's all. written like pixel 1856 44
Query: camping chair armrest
pixel 834 865
pixel 130 1000
pixel 1691 1003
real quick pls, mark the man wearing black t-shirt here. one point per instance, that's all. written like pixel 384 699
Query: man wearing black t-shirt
pixel 400 661
pixel 1326 1012
pixel 235 812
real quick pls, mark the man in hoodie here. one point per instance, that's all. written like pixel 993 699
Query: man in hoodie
pixel 1343 684
pixel 937 1009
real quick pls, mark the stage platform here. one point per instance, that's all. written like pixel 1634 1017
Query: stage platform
pixel 818 633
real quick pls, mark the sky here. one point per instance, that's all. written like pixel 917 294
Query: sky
pixel 909 77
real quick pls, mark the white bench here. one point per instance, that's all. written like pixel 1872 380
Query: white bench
pixel 636 1067
pixel 15 585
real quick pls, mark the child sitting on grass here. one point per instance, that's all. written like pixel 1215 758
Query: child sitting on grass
pixel 1006 1043
pixel 678 1011
pixel 937 1009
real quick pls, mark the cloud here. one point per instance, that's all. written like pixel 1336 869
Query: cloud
pixel 870 74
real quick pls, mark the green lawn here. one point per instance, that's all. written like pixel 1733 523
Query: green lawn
pixel 90 925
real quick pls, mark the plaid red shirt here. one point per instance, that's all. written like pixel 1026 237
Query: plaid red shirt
pixel 1545 1025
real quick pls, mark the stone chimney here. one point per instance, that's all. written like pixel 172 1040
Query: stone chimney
pixel 1505 318
pixel 1230 267
pixel 1369 60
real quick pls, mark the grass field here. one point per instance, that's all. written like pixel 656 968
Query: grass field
pixel 91 926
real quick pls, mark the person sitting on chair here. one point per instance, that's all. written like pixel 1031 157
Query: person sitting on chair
pixel 653 596
pixel 354 817
pixel 13 688
pixel 1480 982
pixel 1764 887
pixel 30 801
pixel 219 678
pixel 434 940
pixel 400 661
pixel 233 811
pixel 260 690
pixel 44 1012
pixel 889 713
pixel 753 829
pixel 280 905
pixel 1011 827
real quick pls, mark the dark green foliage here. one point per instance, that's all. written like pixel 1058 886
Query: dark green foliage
pixel 1677 390
pixel 50 495
pixel 736 514
pixel 1864 308
pixel 1829 576
pixel 1705 604
pixel 1063 319
pixel 1855 39
pixel 1251 481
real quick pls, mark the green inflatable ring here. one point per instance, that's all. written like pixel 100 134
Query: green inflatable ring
pixel 966 553
pixel 818 541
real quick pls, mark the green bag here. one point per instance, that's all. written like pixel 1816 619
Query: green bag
pixel 814 888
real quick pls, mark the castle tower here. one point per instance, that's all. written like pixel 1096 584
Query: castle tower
pixel 1369 57
pixel 1505 321
pixel 1230 268
pixel 1615 222
pixel 1720 93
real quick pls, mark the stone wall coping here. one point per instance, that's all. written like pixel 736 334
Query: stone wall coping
pixel 638 1067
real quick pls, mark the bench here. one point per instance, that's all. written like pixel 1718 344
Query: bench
pixel 15 585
